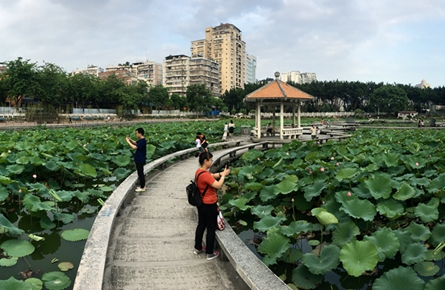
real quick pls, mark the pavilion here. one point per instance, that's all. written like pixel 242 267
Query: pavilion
pixel 278 93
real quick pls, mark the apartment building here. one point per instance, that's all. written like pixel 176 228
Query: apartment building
pixel 223 44
pixel 297 77
pixel 250 69
pixel 149 72
pixel 90 70
pixel 181 71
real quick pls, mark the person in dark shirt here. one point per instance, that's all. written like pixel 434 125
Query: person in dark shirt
pixel 140 157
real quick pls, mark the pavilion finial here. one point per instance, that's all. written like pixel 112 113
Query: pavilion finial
pixel 277 75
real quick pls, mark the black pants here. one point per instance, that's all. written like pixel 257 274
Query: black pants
pixel 140 170
pixel 207 218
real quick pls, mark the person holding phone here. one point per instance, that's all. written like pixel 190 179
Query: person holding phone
pixel 140 157
pixel 208 211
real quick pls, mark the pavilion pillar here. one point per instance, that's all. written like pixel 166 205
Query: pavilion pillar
pixel 281 120
pixel 299 114
pixel 258 118
pixel 274 120
pixel 293 115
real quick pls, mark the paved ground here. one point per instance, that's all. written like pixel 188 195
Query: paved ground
pixel 152 244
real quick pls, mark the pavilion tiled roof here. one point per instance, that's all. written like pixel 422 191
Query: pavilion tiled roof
pixel 278 90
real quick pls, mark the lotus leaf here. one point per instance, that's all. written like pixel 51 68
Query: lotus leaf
pixel 419 232
pixel 391 159
pixel 83 196
pixel 313 243
pixel 371 167
pixel 65 195
pixel 9 227
pixel 75 235
pixel 267 193
pixel 52 165
pixel 36 284
pixel 314 190
pixel 66 218
pixel 358 257
pixel 273 246
pixel 122 160
pixel 428 212
pixel 121 173
pixel 14 284
pixel 438 283
pixel 56 280
pixel 344 233
pixel 386 242
pixel 33 203
pixel 261 210
pixel 36 238
pixel 252 155
pixel 437 184
pixel 414 253
pixel 8 262
pixel 65 266
pixel 346 173
pixel 46 223
pixel 437 234
pixel 267 222
pixel 296 228
pixel 293 256
pixel 358 208
pixel 302 277
pixel 4 193
pixel 106 188
pixel 253 186
pixel 87 170
pixel 239 203
pixel 5 180
pixel 405 192
pixel 426 269
pixel 15 169
pixel 390 208
pixel 328 260
pixel 286 186
pixel 22 160
pixel 379 186
pixel 324 217
pixel 399 278
pixel 17 248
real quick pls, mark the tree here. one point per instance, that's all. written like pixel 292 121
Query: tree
pixel 198 97
pixel 389 98
pixel 158 95
pixel 53 84
pixel 178 102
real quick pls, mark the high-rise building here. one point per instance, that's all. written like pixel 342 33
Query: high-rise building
pixel 181 71
pixel 223 44
pixel 250 69
pixel 149 72
pixel 90 70
pixel 297 77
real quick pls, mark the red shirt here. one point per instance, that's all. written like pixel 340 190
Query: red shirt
pixel 205 179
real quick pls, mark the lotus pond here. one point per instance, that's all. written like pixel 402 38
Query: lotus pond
pixel 365 213
pixel 52 184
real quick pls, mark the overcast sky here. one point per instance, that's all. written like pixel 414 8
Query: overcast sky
pixel 390 41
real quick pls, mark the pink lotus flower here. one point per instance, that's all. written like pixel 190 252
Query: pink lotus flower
pixel 417 164
pixel 398 142
pixel 322 169
pixel 34 176
pixel 332 158
pixel 336 164
pixel 20 191
pixel 292 200
pixel 349 193
pixel 287 153
pixel 310 171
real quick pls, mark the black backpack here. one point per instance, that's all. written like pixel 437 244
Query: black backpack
pixel 193 195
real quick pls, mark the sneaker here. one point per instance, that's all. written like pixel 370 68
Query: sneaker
pixel 196 252
pixel 140 189
pixel 212 256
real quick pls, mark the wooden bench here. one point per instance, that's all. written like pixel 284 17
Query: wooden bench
pixel 292 133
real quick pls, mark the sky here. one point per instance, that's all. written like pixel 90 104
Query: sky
pixel 389 41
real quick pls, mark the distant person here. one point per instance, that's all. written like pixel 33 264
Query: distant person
pixel 269 129
pixel 317 133
pixel 231 128
pixel 226 130
pixel 208 211
pixel 140 157
pixel 313 131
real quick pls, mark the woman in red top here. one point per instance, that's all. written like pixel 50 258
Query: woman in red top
pixel 207 212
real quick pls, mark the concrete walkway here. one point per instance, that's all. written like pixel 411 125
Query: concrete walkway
pixel 153 238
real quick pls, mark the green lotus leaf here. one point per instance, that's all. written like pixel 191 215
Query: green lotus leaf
pixel 122 160
pixel 371 168
pixel 65 195
pixel 267 193
pixel 252 155
pixel 36 237
pixel 428 212
pixel 8 262
pixel 35 160
pixel 346 173
pixel 33 203
pixel 121 173
pixel 267 222
pixel 87 170
pixel 35 283
pixel 253 186
pixel 344 233
pixel 46 223
pixel 17 248
pixel 52 166
pixel 437 184
pixel 303 278
pixel 386 242
pixel 5 180
pixel 426 269
pixel 358 257
pixel 72 145
pixel 15 169
pixel 328 260
pixel 414 253
pixel 262 210
pixel 313 243
pixel 286 186
pixel 419 232
pixel 324 217
pixel 390 208
pixel 66 218
pixel 434 284
pixel 14 284
pixel 4 193
pixel 75 235
pixel 9 227
pixel 399 278
pixel 22 160
pixel 65 266
pixel 56 280
pixel 437 234
pixel 379 186
pixel 391 159
pixel 292 256
pixel 296 228
pixel 239 203
pixel 314 190
pixel 405 192
pixel 404 237
pixel 358 208
pixel 273 246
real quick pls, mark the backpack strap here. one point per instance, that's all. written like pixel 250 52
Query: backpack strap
pixel 196 181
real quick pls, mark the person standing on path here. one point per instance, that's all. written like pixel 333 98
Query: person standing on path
pixel 226 129
pixel 140 157
pixel 231 128
pixel 208 211
pixel 313 132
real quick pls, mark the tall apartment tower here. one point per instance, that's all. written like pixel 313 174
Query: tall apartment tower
pixel 297 77
pixel 223 44
pixel 250 69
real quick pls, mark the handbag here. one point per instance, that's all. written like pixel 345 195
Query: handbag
pixel 220 220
